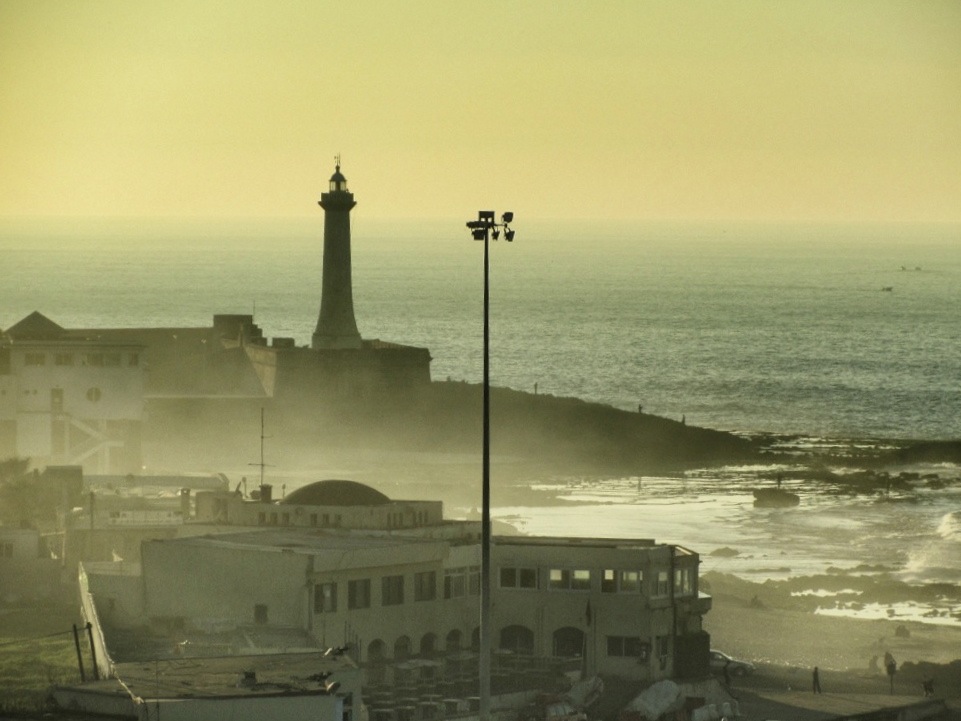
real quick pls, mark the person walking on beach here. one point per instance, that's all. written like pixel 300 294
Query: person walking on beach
pixel 816 681
pixel 891 666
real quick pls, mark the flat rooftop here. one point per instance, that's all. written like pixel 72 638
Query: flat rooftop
pixel 310 541
pixel 268 674
pixel 569 541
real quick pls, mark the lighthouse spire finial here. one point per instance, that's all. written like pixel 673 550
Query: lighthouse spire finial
pixel 337 161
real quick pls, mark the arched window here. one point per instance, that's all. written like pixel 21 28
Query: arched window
pixel 452 642
pixel 428 644
pixel 568 642
pixel 376 668
pixel 375 651
pixel 518 639
pixel 402 648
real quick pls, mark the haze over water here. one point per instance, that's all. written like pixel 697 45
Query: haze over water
pixel 752 328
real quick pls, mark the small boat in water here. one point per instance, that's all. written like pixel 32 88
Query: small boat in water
pixel 775 498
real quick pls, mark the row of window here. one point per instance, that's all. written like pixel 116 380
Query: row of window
pixel 283 519
pixel 611 580
pixel 97 360
pixel 331 520
pixel 458 582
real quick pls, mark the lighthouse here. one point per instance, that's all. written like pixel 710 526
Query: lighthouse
pixel 336 326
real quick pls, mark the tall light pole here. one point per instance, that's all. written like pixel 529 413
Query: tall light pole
pixel 484 228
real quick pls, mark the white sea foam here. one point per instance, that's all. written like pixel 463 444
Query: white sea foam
pixel 950 527
pixel 824 593
pixel 919 613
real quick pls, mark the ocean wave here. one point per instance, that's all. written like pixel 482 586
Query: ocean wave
pixel 950 527
pixel 939 559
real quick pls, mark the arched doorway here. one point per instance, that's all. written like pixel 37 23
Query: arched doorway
pixel 376 666
pixel 428 645
pixel 518 639
pixel 402 648
pixel 452 642
pixel 375 651
pixel 568 642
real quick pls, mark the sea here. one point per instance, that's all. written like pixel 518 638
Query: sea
pixel 823 334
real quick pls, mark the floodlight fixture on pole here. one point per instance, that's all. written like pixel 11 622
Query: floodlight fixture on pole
pixel 482 229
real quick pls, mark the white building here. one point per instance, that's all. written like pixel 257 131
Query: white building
pixel 68 399
pixel 625 608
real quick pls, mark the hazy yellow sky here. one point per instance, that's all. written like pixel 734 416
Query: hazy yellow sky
pixel 754 109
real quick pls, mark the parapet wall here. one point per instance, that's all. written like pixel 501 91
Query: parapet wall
pixel 376 370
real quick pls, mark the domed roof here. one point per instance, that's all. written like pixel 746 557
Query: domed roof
pixel 337 181
pixel 336 493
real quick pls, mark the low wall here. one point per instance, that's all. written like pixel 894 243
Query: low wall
pixel 105 665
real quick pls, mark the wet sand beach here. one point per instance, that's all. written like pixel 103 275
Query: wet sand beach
pixel 786 643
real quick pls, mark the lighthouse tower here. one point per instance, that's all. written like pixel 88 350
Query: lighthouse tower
pixel 336 326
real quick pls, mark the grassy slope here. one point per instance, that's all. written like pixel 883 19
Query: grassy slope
pixel 36 651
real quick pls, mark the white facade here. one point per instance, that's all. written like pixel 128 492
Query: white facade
pixel 624 608
pixel 66 400
pixel 231 508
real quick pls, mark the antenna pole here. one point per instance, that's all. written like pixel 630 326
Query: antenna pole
pixel 262 464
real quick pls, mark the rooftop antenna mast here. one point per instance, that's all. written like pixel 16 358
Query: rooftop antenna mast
pixel 262 437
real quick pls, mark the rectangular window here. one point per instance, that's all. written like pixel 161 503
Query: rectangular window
pixel 580 580
pixel 313 519
pixel 111 360
pixel 392 590
pixel 95 359
pixel 134 359
pixel 630 581
pixel 683 584
pixel 6 550
pixel 613 581
pixel 358 593
pixel 325 598
pixel 518 578
pixel 473 579
pixel 528 577
pixel 425 586
pixel 34 359
pixel 564 579
pixel 260 613
pixel 660 587
pixel 609 581
pixel 262 518
pixel 455 582
pixel 624 646
pixel 63 359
